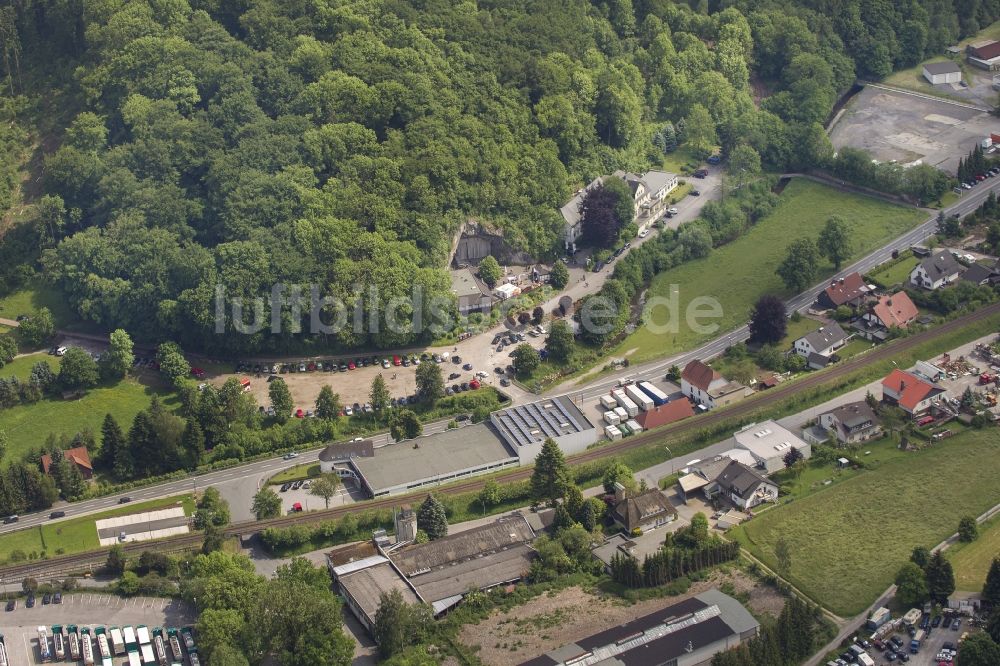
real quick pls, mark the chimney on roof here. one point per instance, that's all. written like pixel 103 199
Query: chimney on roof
pixel 619 492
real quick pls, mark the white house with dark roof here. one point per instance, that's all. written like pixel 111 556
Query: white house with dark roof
pixel 852 423
pixel 571 214
pixel 936 271
pixel 824 341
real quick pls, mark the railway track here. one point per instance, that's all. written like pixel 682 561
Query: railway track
pixel 78 562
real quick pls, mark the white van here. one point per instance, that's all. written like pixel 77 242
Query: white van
pixel 61 351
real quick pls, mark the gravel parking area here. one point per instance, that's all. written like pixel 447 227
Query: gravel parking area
pixel 907 127
pixel 19 626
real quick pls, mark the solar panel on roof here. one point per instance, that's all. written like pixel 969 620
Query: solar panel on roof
pixel 539 417
pixel 520 433
pixel 522 423
pixel 549 418
pixel 569 417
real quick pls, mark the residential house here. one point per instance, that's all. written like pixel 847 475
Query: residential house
pixel 742 485
pixel 984 54
pixel 849 290
pixel 471 294
pixel 649 192
pixel 911 393
pixel 78 456
pixel 888 312
pixel 819 346
pixel 769 443
pixel 942 72
pixel 644 511
pixel 708 387
pixel 852 423
pixel 936 271
pixel 571 215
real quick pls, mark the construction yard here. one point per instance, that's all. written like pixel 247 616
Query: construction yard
pixel 897 126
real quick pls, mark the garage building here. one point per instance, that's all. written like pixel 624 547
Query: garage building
pixel 942 72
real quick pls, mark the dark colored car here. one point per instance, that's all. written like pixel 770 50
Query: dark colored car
pixel 46 599
pixel 30 603
pixel 285 487
pixel 124 500
pixel 453 375
pixel 57 598
pixel 467 366
pixel 56 514
pixel 11 605
pixel 956 624
pixel 696 193
pixel 936 622
pixel 456 359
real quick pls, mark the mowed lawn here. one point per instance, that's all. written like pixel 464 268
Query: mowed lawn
pixel 848 541
pixel 78 535
pixel 972 560
pixel 35 296
pixel 28 426
pixel 737 274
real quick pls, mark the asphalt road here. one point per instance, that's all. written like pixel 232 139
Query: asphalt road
pixel 238 484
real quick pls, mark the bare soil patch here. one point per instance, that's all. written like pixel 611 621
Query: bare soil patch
pixel 557 618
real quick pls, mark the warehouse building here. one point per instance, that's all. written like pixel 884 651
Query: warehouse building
pixel 432 460
pixel 526 427
pixel 688 633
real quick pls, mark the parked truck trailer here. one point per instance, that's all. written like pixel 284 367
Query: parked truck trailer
pixel 117 641
pixel 625 403
pixel 658 397
pixel 639 397
pixel 44 651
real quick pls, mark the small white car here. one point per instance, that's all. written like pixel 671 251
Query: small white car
pixel 643 233
pixel 672 211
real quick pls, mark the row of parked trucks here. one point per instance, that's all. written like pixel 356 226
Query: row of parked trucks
pixel 624 404
pixel 100 645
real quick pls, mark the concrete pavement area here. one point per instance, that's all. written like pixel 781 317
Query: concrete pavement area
pixel 20 626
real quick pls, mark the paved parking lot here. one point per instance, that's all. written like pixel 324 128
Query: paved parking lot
pixel 906 128
pixel 932 645
pixel 19 627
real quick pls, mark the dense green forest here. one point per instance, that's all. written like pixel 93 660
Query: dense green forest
pixel 341 143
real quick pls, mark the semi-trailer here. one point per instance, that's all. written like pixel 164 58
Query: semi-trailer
pixel 146 649
pixel 131 644
pixel 658 396
pixel 117 642
pixel 74 643
pixel 133 658
pixel 44 652
pixel 611 418
pixel 160 647
pixel 88 649
pixel 175 645
pixel 58 642
pixel 3 652
pixel 639 397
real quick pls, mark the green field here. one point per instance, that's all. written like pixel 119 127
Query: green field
pixel 78 534
pixel 848 540
pixel 36 296
pixel 738 273
pixel 29 425
pixel 898 273
pixel 972 560
pixel 296 473
pixel 22 366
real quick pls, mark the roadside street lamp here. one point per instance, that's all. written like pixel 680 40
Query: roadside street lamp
pixel 671 453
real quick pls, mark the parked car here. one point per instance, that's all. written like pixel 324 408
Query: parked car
pixel 11 604
pixel 467 366
pixel 351 366
pixel 285 487
pixel 695 193
pixel 956 624
pixel 46 599
pixel 299 414
pixel 946 622
pixel 936 622
pixel 30 602
pixel 57 598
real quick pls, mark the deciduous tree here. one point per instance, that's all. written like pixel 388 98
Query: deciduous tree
pixel 768 321
pixel 834 241
pixel 328 404
pixel 968 529
pixel 911 585
pixel 77 370
pixel 798 269
pixel 490 271
pixel 559 275
pixel 560 341
pixel 325 487
pixel 266 504
pixel 430 383
pixel 379 394
pixel 525 359
pixel 281 400
pixel 118 358
pixel 37 329
pixel 405 425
